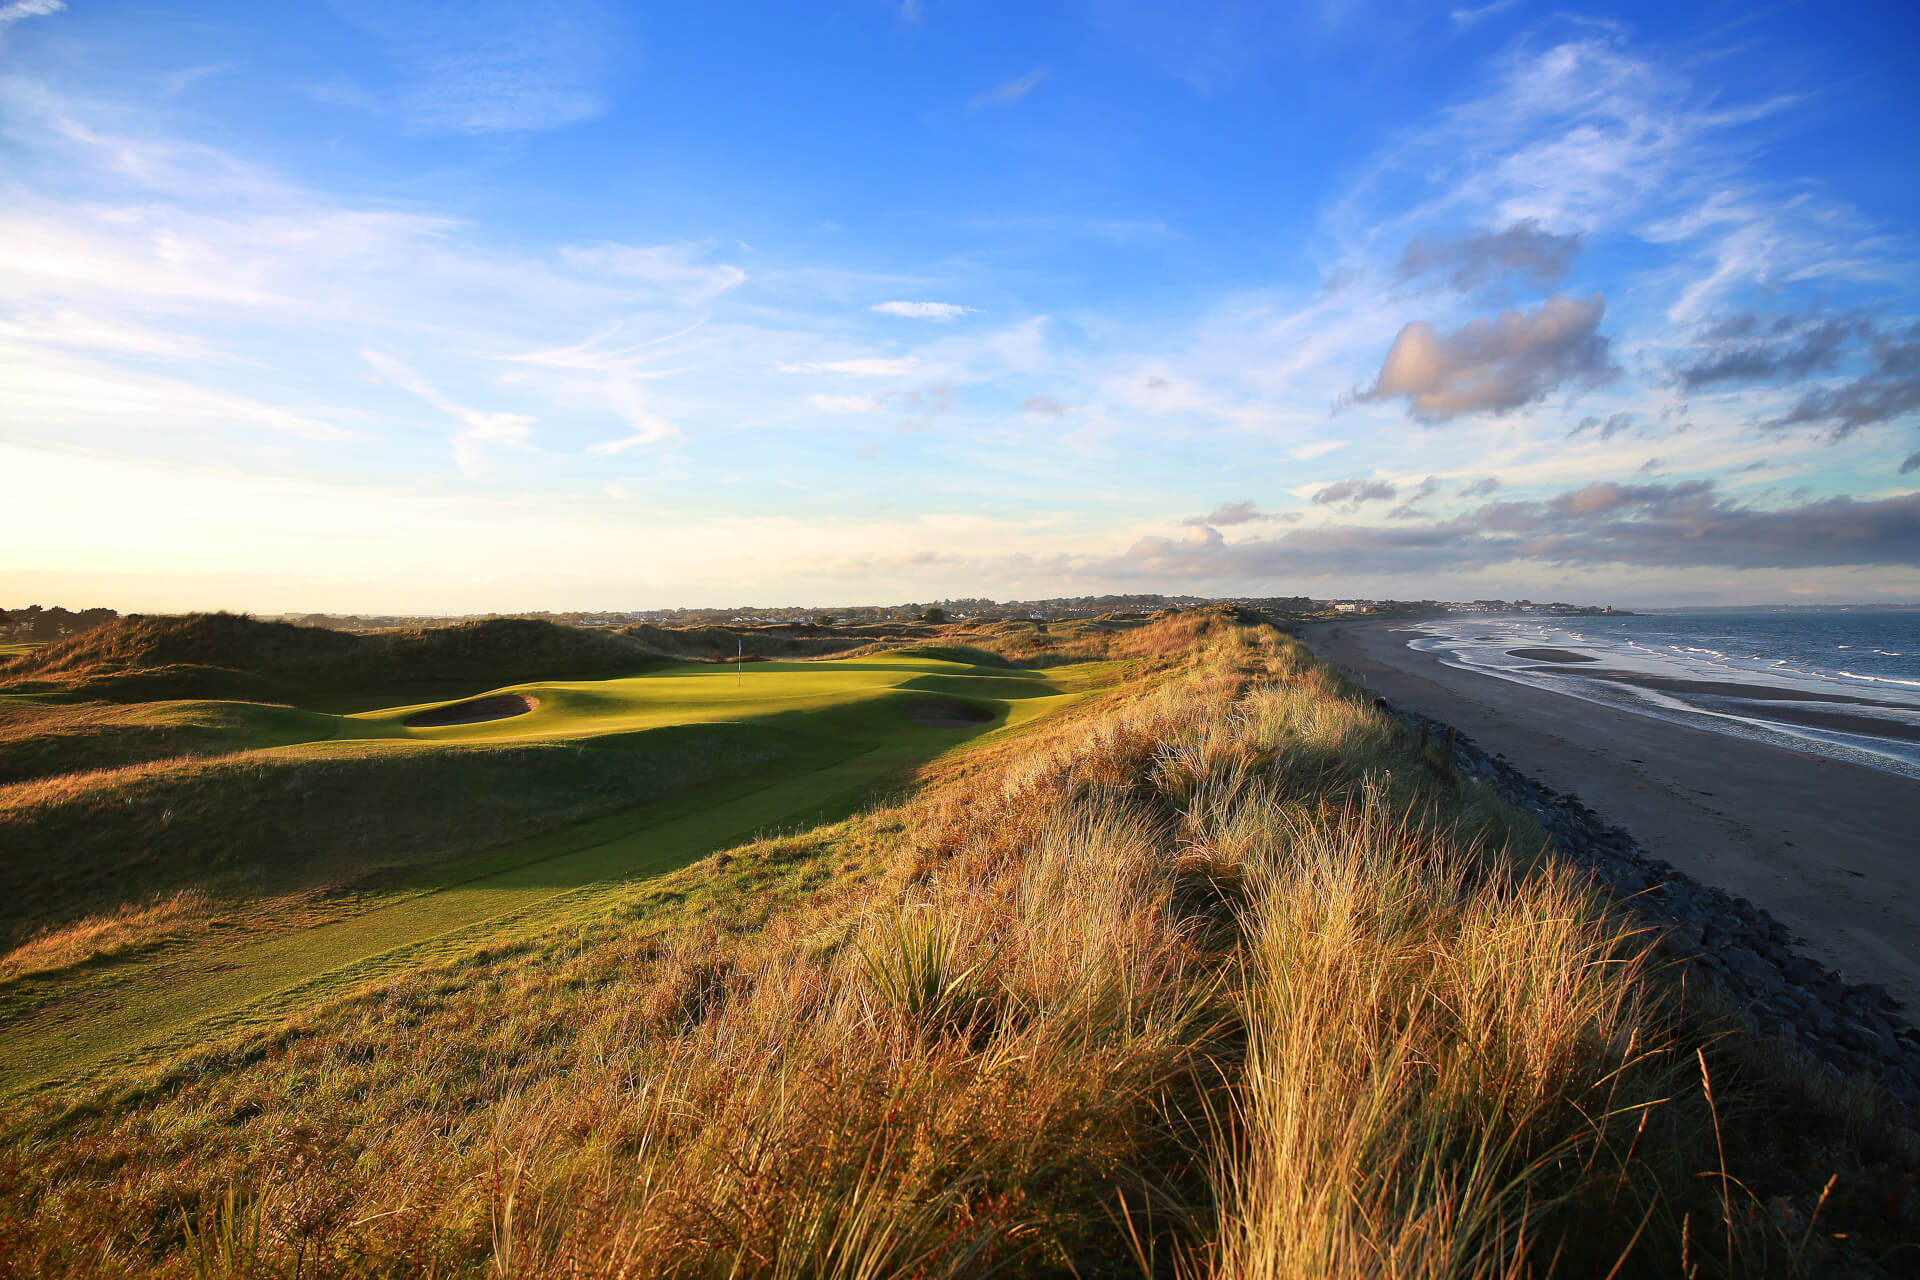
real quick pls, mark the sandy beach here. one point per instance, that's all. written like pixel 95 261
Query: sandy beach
pixel 1832 849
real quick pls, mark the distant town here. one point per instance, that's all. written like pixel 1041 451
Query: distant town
pixel 37 624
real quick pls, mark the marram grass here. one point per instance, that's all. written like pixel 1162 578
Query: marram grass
pixel 1215 977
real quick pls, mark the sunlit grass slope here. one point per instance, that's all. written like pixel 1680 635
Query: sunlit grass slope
pixel 858 695
pixel 1213 974
pixel 144 900
pixel 366 790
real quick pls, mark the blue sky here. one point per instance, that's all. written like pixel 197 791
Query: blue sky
pixel 437 307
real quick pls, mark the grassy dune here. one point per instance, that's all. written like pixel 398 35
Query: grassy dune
pixel 141 902
pixel 1211 973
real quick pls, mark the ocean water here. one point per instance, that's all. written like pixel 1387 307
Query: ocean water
pixel 1843 683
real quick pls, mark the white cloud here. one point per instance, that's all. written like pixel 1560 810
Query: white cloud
pixel 1472 17
pixel 1498 365
pixel 865 367
pixel 178 82
pixel 845 404
pixel 923 310
pixel 479 427
pixel 20 9
pixel 491 66
pixel 46 390
pixel 1011 91
pixel 670 268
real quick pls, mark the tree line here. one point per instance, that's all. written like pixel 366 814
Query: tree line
pixel 36 624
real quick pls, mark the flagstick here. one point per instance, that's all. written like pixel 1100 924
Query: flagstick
pixel 740 669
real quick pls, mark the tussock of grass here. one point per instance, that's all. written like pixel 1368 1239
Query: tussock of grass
pixel 1488 1038
pixel 1216 977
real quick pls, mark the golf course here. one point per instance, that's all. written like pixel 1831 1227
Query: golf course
pixel 681 759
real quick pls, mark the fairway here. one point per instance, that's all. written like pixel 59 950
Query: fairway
pixel 855 697
pixel 842 733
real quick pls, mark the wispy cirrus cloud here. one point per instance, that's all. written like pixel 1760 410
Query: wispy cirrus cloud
pixel 922 310
pixel 673 269
pixel 845 404
pixel 479 428
pixel 859 367
pixel 1473 17
pixel 20 10
pixel 491 66
pixel 1009 92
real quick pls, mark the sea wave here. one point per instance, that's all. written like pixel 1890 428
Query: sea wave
pixel 1729 654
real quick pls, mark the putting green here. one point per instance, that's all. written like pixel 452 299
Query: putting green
pixel 853 739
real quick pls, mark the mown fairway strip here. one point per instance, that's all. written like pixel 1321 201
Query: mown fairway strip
pixel 862 742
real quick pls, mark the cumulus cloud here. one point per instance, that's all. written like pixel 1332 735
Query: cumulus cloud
pixel 1010 92
pixel 1607 429
pixel 1525 249
pixel 1352 493
pixel 1481 488
pixel 1669 526
pixel 1891 389
pixel 1497 365
pixel 922 310
pixel 1911 463
pixel 1744 348
pixel 1044 407
pixel 868 367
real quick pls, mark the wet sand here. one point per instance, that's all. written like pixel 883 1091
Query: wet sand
pixel 1552 655
pixel 1830 848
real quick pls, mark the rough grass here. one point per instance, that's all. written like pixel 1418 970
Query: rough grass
pixel 40 740
pixel 222 655
pixel 1216 977
pixel 259 823
pixel 96 938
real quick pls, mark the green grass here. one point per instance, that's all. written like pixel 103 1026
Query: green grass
pixel 855 697
pixel 41 739
pixel 1207 973
pixel 680 761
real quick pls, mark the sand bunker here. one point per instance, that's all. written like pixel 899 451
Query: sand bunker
pixel 500 706
pixel 1551 655
pixel 940 713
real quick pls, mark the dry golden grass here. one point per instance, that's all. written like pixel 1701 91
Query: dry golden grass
pixel 1214 978
pixel 129 928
